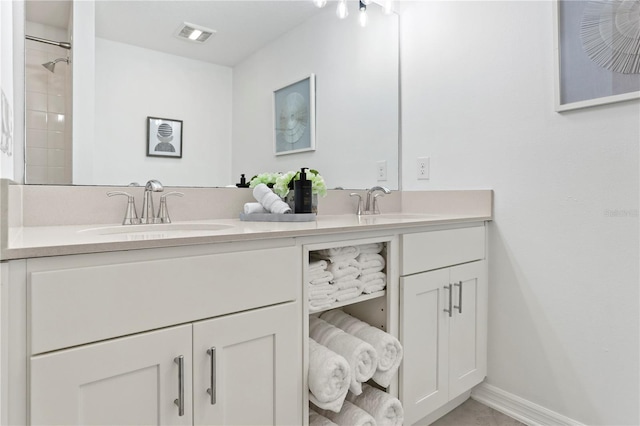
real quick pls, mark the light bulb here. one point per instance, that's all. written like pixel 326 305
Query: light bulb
pixel 342 10
pixel 362 16
pixel 320 3
pixel 388 7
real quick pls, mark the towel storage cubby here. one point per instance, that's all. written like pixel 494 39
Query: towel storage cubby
pixel 330 269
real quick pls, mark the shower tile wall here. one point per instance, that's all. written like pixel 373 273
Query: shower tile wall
pixel 48 101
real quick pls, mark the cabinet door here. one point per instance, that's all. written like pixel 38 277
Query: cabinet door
pixel 468 328
pixel 257 375
pixel 423 333
pixel 127 381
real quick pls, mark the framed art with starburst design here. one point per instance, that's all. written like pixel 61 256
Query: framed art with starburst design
pixel 597 52
pixel 294 117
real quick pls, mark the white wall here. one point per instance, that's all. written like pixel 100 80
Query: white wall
pixel 356 98
pixel 133 83
pixel 478 99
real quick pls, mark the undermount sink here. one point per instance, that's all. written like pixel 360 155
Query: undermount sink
pixel 161 230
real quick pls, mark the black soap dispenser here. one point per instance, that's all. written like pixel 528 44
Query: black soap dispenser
pixel 302 189
pixel 243 182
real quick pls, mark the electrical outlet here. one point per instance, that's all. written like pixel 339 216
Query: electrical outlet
pixel 423 168
pixel 381 170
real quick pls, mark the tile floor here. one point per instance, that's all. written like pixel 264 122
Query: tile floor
pixel 473 413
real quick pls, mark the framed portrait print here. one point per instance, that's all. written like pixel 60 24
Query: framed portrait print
pixel 597 54
pixel 164 137
pixel 294 116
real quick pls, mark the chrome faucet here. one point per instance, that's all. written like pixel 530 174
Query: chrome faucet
pixel 148 213
pixel 371 204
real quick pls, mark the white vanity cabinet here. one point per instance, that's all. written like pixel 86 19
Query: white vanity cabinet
pixel 108 333
pixel 443 321
pixel 138 380
pixel 128 381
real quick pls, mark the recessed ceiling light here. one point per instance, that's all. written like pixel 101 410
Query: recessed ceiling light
pixel 194 32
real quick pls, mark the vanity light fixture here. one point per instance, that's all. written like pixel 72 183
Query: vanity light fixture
pixel 343 11
pixel 192 32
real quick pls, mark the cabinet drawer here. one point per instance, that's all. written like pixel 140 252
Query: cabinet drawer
pixel 425 251
pixel 73 306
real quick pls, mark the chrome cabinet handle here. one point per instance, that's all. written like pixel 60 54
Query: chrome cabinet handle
pixel 450 310
pixel 459 307
pixel 180 401
pixel 212 390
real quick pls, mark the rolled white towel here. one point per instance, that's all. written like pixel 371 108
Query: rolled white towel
pixel 384 408
pixel 388 348
pixel 269 200
pixel 251 208
pixel 317 265
pixel 362 357
pixel 320 278
pixel 316 419
pixel 370 262
pixel 373 282
pixel 337 253
pixel 349 267
pixel 321 304
pixel 350 415
pixel 371 248
pixel 329 377
pixel 347 282
pixel 347 294
pixel 318 291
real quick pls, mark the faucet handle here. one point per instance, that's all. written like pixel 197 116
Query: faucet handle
pixel 359 211
pixel 375 209
pixel 130 215
pixel 163 211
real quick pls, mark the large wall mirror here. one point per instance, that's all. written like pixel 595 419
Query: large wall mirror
pixel 87 112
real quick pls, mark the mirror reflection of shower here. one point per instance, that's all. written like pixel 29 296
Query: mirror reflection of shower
pixel 51 65
pixel 48 95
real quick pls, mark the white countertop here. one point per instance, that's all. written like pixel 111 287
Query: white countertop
pixel 41 241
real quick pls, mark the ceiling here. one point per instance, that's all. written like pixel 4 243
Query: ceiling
pixel 242 26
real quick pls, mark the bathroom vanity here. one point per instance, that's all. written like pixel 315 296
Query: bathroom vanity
pixel 130 328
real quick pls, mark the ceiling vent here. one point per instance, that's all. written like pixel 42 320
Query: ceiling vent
pixel 193 32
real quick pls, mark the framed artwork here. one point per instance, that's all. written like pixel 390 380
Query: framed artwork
pixel 294 117
pixel 597 52
pixel 164 137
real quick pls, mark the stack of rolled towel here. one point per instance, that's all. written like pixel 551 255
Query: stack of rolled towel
pixel 361 356
pixel 388 349
pixel 372 263
pixel 372 407
pixel 354 270
pixel 268 202
pixel 344 352
pixel 320 287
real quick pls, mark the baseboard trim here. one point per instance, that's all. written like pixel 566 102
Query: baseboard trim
pixel 519 408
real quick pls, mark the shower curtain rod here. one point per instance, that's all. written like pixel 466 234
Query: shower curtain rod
pixel 62 44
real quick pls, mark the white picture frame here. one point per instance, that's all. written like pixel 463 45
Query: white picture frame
pixel 294 117
pixel 579 81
